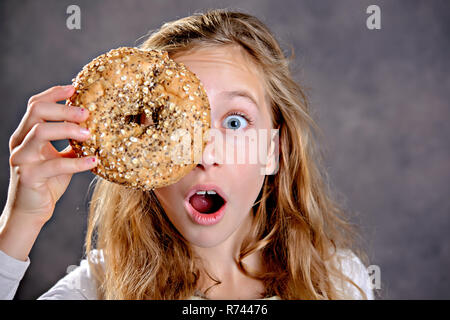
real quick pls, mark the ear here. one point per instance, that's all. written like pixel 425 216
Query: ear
pixel 273 155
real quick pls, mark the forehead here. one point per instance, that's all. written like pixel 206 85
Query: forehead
pixel 232 56
pixel 225 68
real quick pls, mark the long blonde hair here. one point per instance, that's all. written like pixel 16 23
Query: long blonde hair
pixel 297 224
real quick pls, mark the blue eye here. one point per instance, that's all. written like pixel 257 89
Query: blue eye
pixel 235 122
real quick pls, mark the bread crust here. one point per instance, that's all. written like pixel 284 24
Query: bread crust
pixel 142 108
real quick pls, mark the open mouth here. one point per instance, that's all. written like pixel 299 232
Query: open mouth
pixel 206 201
pixel 206 204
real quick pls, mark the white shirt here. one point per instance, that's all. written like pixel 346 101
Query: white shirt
pixel 79 284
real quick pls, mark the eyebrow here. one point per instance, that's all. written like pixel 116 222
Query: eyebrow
pixel 242 94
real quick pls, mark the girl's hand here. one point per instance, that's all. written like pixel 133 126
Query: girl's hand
pixel 39 173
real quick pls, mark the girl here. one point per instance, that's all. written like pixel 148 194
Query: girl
pixel 281 236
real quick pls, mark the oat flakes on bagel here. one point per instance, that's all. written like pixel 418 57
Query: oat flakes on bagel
pixel 148 117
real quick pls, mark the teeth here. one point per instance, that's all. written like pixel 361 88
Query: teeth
pixel 204 192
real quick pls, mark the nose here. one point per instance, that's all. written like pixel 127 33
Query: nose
pixel 210 155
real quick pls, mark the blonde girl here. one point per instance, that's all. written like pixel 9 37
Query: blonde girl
pixel 281 234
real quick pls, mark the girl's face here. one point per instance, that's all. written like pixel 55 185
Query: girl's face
pixel 238 103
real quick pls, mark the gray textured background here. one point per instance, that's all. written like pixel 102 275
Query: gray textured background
pixel 381 98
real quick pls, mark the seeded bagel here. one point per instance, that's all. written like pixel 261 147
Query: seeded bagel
pixel 148 116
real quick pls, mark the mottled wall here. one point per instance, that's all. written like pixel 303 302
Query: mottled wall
pixel 381 98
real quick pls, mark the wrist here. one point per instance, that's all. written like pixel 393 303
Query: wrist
pixel 18 232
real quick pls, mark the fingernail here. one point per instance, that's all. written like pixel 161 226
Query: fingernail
pixel 91 160
pixel 68 87
pixel 85 131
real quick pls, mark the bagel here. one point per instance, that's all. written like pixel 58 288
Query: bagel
pixel 148 116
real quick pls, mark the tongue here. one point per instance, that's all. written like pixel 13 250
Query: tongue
pixel 202 203
pixel 207 203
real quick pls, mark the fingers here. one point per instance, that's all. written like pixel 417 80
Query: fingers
pixel 60 166
pixel 54 94
pixel 36 173
pixel 50 111
pixel 43 107
pixel 52 131
pixel 32 148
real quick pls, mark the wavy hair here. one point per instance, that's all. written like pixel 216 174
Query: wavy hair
pixel 298 226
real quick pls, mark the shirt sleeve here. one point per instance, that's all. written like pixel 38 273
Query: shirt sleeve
pixel 78 284
pixel 352 266
pixel 11 273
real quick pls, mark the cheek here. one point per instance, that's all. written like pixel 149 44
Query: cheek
pixel 167 198
pixel 246 182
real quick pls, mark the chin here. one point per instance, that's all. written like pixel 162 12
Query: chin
pixel 206 239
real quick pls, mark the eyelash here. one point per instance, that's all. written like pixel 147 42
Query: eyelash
pixel 243 115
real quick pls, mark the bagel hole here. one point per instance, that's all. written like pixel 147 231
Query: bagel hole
pixel 133 118
pixel 150 121
pixel 141 119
